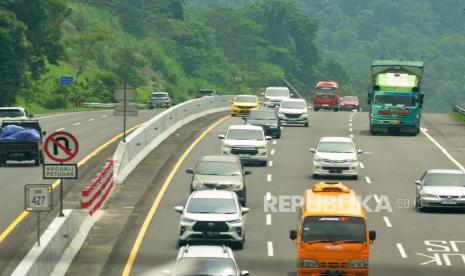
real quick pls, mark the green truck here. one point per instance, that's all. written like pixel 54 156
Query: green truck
pixel 396 100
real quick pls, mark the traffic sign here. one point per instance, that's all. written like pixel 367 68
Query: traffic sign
pixel 60 171
pixel 131 110
pixel 66 80
pixel 38 197
pixel 131 94
pixel 61 146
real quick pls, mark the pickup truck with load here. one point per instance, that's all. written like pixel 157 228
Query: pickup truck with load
pixel 21 140
pixel 396 99
pixel 326 95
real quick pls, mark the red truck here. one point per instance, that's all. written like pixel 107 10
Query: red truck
pixel 326 95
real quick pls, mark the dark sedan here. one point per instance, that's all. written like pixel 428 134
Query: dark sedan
pixel 266 118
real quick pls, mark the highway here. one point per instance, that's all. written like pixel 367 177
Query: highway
pixel 92 129
pixel 408 243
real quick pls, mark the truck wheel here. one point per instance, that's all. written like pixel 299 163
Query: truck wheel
pixel 316 109
pixel 37 161
pixel 336 109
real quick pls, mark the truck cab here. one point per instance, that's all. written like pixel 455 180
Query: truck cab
pixel 395 102
pixel 326 95
pixel 332 236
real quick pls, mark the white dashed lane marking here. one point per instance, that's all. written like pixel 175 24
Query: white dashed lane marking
pixel 272 152
pixel 367 179
pixel 104 116
pixel 351 136
pixel 350 129
pixel 387 221
pixel 91 119
pixel 76 124
pixel 270 163
pixel 268 196
pixel 268 219
pixel 274 142
pixel 361 165
pixel 268 178
pixel 401 250
pixel 269 245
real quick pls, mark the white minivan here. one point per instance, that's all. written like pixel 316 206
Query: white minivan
pixel 274 96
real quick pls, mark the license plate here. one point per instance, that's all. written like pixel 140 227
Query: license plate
pixel 211 234
pixel 449 202
pixel 335 171
pixel 394 122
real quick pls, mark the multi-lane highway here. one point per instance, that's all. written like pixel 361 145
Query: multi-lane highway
pixel 93 129
pixel 408 243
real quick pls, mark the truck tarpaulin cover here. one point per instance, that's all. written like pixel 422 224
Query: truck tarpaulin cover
pixel 15 133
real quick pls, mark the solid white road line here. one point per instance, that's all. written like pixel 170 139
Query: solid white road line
pixel 401 250
pixel 361 165
pixel 274 142
pixel 91 119
pixel 60 129
pixel 76 124
pixel 268 196
pixel 268 178
pixel 387 221
pixel 367 179
pixel 270 248
pixel 268 219
pixel 270 163
pixel 424 130
pixel 272 152
pixel 376 198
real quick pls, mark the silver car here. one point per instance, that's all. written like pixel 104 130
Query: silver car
pixel 160 99
pixel 212 215
pixel 440 188
pixel 206 260
pixel 220 172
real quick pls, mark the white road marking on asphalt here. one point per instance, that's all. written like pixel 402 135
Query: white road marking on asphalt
pixel 270 163
pixel 274 142
pixel 361 165
pixel 268 196
pixel 104 116
pixel 350 129
pixel 376 198
pixel 351 136
pixel 270 248
pixel 60 129
pixel 350 124
pixel 268 178
pixel 272 152
pixel 387 221
pixel 424 130
pixel 91 119
pixel 401 250
pixel 350 120
pixel 282 127
pixel 368 180
pixel 268 219
pixel 76 124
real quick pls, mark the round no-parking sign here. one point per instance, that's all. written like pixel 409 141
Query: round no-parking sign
pixel 61 146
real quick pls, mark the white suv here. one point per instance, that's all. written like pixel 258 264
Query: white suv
pixel 247 141
pixel 293 112
pixel 206 260
pixel 212 215
pixel 274 96
pixel 336 156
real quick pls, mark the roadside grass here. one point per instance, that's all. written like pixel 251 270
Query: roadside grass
pixel 457 116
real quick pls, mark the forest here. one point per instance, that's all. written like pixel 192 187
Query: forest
pixel 181 46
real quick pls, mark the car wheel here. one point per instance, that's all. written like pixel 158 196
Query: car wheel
pixel 354 177
pixel 37 161
pixel 239 245
pixel 316 109
pixel 336 109
pixel 306 124
pixel 418 206
pixel 181 243
pixel 315 176
pixel 278 135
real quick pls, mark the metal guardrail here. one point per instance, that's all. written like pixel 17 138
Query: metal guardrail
pixel 460 108
pixel 110 105
pixel 147 137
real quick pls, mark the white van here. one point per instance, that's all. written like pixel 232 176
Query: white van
pixel 274 96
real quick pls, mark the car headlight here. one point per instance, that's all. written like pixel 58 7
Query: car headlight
pixel 304 115
pixel 281 115
pixel 196 184
pixel 428 195
pixel 358 264
pixel 318 159
pixel 235 221
pixel 307 263
pixel 186 220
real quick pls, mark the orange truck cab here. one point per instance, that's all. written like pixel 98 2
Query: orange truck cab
pixel 332 236
pixel 326 95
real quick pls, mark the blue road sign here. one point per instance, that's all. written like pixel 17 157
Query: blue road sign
pixel 65 80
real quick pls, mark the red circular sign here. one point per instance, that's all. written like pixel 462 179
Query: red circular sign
pixel 64 146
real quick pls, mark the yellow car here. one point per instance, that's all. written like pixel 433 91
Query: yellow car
pixel 242 104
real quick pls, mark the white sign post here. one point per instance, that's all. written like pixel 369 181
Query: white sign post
pixel 38 198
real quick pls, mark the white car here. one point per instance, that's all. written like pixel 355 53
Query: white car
pixel 13 113
pixel 247 141
pixel 335 156
pixel 274 96
pixel 212 215
pixel 293 112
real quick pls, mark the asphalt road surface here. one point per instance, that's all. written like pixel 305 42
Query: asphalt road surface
pixel 408 242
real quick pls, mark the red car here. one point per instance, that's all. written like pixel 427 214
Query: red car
pixel 349 103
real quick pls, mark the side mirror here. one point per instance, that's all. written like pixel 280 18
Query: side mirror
pixel 372 235
pixel 245 273
pixel 191 171
pixel 221 136
pixel 268 138
pixel 418 182
pixel 30 116
pixel 293 235
pixel 312 150
pixel 247 172
pixel 245 210
pixel 179 209
pixel 44 133
pixel 359 151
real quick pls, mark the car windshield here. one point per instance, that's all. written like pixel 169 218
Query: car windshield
pixel 205 266
pixel 159 96
pixel 444 179
pixel 334 229
pixel 277 92
pixel 395 100
pixel 245 134
pixel 262 115
pixel 212 206
pixel 218 168
pixel 10 113
pixel 340 147
pixel 294 105
pixel 246 99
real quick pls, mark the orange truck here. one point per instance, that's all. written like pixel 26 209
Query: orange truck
pixel 332 236
pixel 326 95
